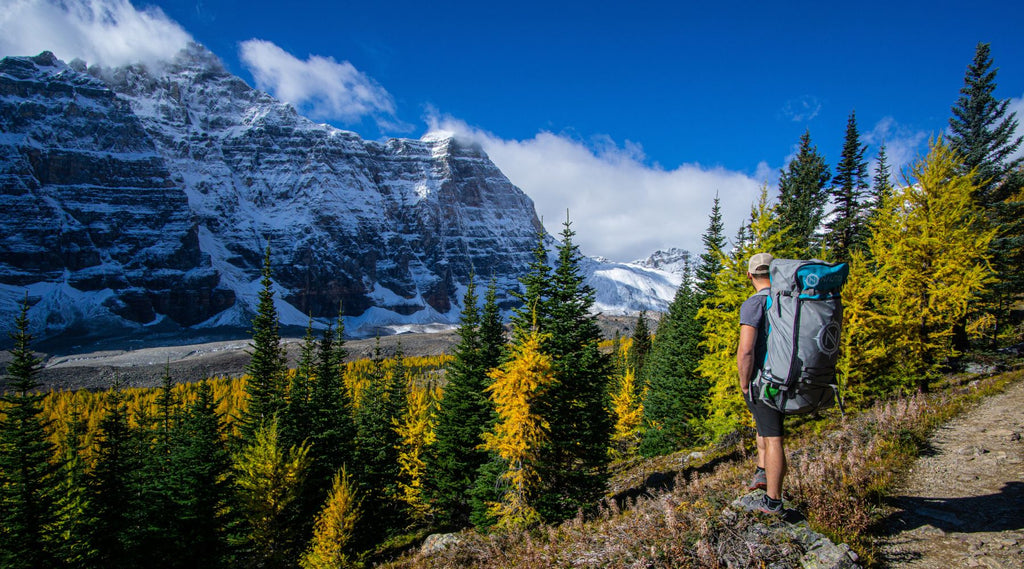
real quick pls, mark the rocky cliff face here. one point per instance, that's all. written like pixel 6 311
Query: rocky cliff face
pixel 156 192
pixel 91 223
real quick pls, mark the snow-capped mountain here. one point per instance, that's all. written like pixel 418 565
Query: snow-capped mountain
pixel 673 261
pixel 141 197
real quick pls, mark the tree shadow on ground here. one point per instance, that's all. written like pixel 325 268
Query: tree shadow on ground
pixel 989 513
pixel 660 482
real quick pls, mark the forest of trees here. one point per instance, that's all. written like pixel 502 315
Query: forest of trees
pixel 341 463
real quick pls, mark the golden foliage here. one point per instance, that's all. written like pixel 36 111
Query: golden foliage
pixel 417 432
pixel 519 430
pixel 927 262
pixel 628 411
pixel 334 527
pixel 721 316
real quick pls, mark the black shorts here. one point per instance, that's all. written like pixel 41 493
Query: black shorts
pixel 767 420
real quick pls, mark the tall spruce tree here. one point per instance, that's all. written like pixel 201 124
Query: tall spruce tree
pixel 111 484
pixel 266 386
pixel 802 198
pixel 295 418
pixel 156 528
pixel 203 483
pixel 492 330
pixel 641 344
pixel 381 406
pixel 676 394
pixel 573 463
pixel 464 413
pixel 983 132
pixel 711 258
pixel 25 472
pixel 536 290
pixel 332 430
pixel 846 228
pixel 881 185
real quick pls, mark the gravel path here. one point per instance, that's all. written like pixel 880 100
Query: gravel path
pixel 962 504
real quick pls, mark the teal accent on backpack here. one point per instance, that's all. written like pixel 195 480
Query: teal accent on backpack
pixel 804 327
pixel 821 280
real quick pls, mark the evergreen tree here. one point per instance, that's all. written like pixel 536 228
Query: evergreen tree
pixel 802 199
pixel 332 430
pixel 266 384
pixel 536 290
pixel 983 132
pixel 295 418
pixel 846 230
pixel 25 471
pixel 881 186
pixel 711 259
pixel 464 413
pixel 382 405
pixel 155 518
pixel 335 527
pixel 573 463
pixel 641 344
pixel 484 490
pixel 111 485
pixel 268 481
pixel 492 330
pixel 676 394
pixel 203 484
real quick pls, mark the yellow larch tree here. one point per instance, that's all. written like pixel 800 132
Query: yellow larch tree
pixel 416 430
pixel 928 254
pixel 519 430
pixel 269 479
pixel 628 411
pixel 334 527
pixel 721 316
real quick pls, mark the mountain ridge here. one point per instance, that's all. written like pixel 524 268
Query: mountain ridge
pixel 389 230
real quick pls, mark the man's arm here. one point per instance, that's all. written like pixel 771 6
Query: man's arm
pixel 745 357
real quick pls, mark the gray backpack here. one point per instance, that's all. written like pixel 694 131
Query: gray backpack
pixel 805 317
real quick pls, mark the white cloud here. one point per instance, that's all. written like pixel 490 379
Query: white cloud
pixel 903 145
pixel 1017 106
pixel 802 109
pixel 105 32
pixel 621 207
pixel 319 86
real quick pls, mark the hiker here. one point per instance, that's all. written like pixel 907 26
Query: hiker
pixel 750 356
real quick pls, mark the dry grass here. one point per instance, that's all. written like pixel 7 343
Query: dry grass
pixel 840 469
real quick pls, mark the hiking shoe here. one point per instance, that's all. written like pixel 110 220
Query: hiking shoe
pixel 759 481
pixel 769 506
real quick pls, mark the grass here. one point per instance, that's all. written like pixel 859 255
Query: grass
pixel 669 511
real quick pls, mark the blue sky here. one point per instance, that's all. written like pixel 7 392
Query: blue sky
pixel 630 115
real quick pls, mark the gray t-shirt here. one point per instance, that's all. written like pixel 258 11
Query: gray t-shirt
pixel 752 314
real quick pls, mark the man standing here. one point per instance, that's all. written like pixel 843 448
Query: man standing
pixel 771 457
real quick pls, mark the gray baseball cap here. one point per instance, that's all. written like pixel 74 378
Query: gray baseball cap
pixel 759 264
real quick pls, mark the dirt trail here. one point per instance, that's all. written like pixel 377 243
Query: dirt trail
pixel 962 504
